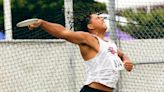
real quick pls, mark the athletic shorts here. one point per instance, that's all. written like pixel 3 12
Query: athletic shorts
pixel 86 88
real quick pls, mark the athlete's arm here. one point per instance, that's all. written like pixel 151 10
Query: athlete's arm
pixel 60 31
pixel 127 62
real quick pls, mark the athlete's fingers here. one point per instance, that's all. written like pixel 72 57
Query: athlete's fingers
pixel 30 28
pixel 128 65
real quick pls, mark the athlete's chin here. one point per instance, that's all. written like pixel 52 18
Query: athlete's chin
pixel 105 28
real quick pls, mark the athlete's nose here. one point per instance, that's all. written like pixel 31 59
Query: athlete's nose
pixel 102 18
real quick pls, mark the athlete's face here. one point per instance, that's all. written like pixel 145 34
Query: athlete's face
pixel 97 22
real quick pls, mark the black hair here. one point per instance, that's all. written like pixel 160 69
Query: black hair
pixel 81 21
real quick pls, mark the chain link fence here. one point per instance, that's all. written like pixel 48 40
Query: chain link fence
pixel 140 34
pixel 145 21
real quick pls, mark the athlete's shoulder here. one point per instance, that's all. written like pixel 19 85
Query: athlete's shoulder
pixel 85 34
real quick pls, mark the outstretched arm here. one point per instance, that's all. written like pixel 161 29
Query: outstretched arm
pixel 60 31
pixel 127 62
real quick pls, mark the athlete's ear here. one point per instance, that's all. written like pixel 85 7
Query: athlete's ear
pixel 90 26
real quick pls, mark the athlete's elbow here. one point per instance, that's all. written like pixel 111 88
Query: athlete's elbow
pixel 62 35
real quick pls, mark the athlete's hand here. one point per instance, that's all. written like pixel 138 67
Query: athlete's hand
pixel 128 65
pixel 35 25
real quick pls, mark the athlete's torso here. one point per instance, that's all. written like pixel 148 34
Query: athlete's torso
pixel 104 65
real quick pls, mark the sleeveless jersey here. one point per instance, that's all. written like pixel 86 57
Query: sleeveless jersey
pixel 105 66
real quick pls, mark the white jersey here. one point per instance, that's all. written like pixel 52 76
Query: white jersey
pixel 105 66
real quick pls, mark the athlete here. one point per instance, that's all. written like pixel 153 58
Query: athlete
pixel 102 58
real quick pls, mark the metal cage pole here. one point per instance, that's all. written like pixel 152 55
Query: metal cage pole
pixel 111 12
pixel 7 20
pixel 68 4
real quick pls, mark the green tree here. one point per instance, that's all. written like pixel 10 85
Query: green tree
pixel 1 16
pixel 50 10
pixel 149 25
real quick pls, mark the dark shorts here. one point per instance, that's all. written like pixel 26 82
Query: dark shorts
pixel 86 88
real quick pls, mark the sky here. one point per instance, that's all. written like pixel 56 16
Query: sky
pixel 134 3
pixel 102 0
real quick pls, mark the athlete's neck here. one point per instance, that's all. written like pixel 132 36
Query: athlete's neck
pixel 101 36
pixel 99 33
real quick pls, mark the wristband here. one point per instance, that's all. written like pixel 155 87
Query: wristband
pixel 123 58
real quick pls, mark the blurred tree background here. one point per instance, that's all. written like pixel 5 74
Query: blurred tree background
pixel 144 25
pixel 1 17
pixel 50 10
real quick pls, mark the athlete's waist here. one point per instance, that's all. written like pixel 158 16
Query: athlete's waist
pixel 99 86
